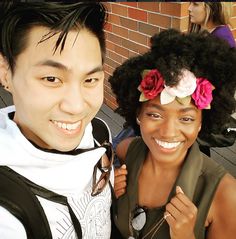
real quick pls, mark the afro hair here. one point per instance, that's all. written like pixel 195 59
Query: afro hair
pixel 171 51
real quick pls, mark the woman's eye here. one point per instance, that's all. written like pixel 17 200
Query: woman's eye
pixel 154 115
pixel 187 119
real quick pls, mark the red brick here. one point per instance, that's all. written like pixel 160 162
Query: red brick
pixel 147 28
pixel 113 38
pixel 137 37
pixel 172 9
pixel 110 45
pixel 131 4
pixel 122 51
pixel 180 24
pixel 139 15
pixel 115 57
pixel 111 63
pixel 108 27
pixel 184 9
pixel 149 6
pixel 233 22
pixel 159 20
pixel 234 10
pixel 234 33
pixel 121 31
pixel 107 6
pixel 119 10
pixel 115 19
pixel 128 23
pixel 133 54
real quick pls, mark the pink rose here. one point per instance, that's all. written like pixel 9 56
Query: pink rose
pixel 152 84
pixel 203 93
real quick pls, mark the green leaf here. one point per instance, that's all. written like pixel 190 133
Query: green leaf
pixel 145 72
pixel 142 98
pixel 184 101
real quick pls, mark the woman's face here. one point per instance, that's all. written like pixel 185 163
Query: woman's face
pixel 169 130
pixel 197 12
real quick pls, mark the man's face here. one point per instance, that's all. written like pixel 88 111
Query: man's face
pixel 57 95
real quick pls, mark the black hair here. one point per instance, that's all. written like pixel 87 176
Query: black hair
pixel 171 51
pixel 17 19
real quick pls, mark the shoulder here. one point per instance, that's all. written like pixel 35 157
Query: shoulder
pixel 226 191
pixel 11 227
pixel 122 148
pixel 224 33
pixel 224 201
pixel 221 30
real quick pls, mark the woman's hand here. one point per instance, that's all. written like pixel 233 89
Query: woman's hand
pixel 120 181
pixel 181 216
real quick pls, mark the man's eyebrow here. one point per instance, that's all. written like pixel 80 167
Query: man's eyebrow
pixel 54 64
pixel 61 66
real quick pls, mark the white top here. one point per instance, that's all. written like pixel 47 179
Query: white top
pixel 68 175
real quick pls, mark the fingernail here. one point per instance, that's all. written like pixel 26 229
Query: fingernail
pixel 179 190
pixel 167 214
pixel 123 166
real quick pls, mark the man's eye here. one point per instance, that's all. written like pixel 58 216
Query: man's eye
pixel 51 79
pixel 91 80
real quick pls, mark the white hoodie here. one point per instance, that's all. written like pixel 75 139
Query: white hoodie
pixel 68 175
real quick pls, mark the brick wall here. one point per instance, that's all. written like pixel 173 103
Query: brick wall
pixel 130 26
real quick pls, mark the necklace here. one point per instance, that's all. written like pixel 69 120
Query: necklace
pixel 139 220
pixel 156 227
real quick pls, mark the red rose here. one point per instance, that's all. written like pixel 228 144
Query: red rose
pixel 152 84
pixel 203 93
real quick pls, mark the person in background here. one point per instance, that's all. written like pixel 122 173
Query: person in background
pixel 51 61
pixel 213 17
pixel 170 95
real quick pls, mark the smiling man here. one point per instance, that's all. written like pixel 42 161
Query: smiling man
pixel 51 61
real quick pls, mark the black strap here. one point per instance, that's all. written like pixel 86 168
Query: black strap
pixel 26 206
pixel 18 199
pixel 100 130
pixel 17 195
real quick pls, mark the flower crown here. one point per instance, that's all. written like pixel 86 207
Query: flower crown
pixel 189 87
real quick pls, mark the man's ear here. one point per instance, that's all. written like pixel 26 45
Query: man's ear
pixel 4 70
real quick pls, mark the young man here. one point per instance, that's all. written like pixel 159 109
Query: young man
pixel 51 61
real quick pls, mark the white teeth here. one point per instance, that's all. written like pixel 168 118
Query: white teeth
pixel 167 145
pixel 67 126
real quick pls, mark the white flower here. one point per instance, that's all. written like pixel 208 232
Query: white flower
pixel 186 86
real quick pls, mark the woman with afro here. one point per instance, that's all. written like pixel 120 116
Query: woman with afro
pixel 181 89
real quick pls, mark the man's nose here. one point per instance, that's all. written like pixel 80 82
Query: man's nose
pixel 73 101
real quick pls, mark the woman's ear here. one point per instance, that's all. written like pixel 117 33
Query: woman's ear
pixel 199 128
pixel 4 70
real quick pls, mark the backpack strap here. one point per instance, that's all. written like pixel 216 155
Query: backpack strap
pixel 26 206
pixel 19 200
pixel 100 130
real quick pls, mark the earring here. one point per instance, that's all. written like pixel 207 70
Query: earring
pixel 138 121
